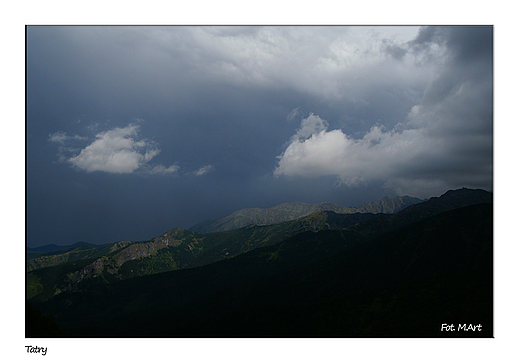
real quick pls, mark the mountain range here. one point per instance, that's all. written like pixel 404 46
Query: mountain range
pixel 324 274
pixel 174 250
pixel 289 211
pixel 51 255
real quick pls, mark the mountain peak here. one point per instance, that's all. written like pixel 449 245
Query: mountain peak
pixel 389 205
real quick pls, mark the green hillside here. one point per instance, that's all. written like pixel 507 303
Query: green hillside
pixel 37 260
pixel 176 249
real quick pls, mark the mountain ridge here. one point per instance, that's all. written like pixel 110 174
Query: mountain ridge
pixel 290 211
pixel 174 250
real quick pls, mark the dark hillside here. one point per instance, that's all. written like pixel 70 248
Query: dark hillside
pixel 403 283
pixel 450 200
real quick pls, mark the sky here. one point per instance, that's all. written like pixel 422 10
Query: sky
pixel 133 131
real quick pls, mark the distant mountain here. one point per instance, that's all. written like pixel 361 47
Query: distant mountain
pixel 389 205
pixel 53 247
pixel 400 275
pixel 290 211
pixel 48 252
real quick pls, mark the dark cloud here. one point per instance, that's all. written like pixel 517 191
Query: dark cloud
pixel 394 50
pixel 470 44
pixel 428 36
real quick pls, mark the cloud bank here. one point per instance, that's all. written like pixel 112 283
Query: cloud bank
pixel 414 161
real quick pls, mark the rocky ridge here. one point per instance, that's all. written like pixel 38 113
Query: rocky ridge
pixel 127 251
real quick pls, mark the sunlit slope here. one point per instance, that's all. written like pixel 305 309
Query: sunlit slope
pixel 176 249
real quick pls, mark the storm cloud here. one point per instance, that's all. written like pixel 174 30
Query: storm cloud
pixel 143 129
pixel 444 142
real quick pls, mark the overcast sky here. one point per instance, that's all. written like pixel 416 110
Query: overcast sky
pixel 132 131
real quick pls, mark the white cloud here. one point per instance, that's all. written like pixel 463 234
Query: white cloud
pixel 310 126
pixel 204 170
pixel 416 161
pixel 314 151
pixel 160 169
pixel 61 137
pixel 58 137
pixel 292 115
pixel 116 151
